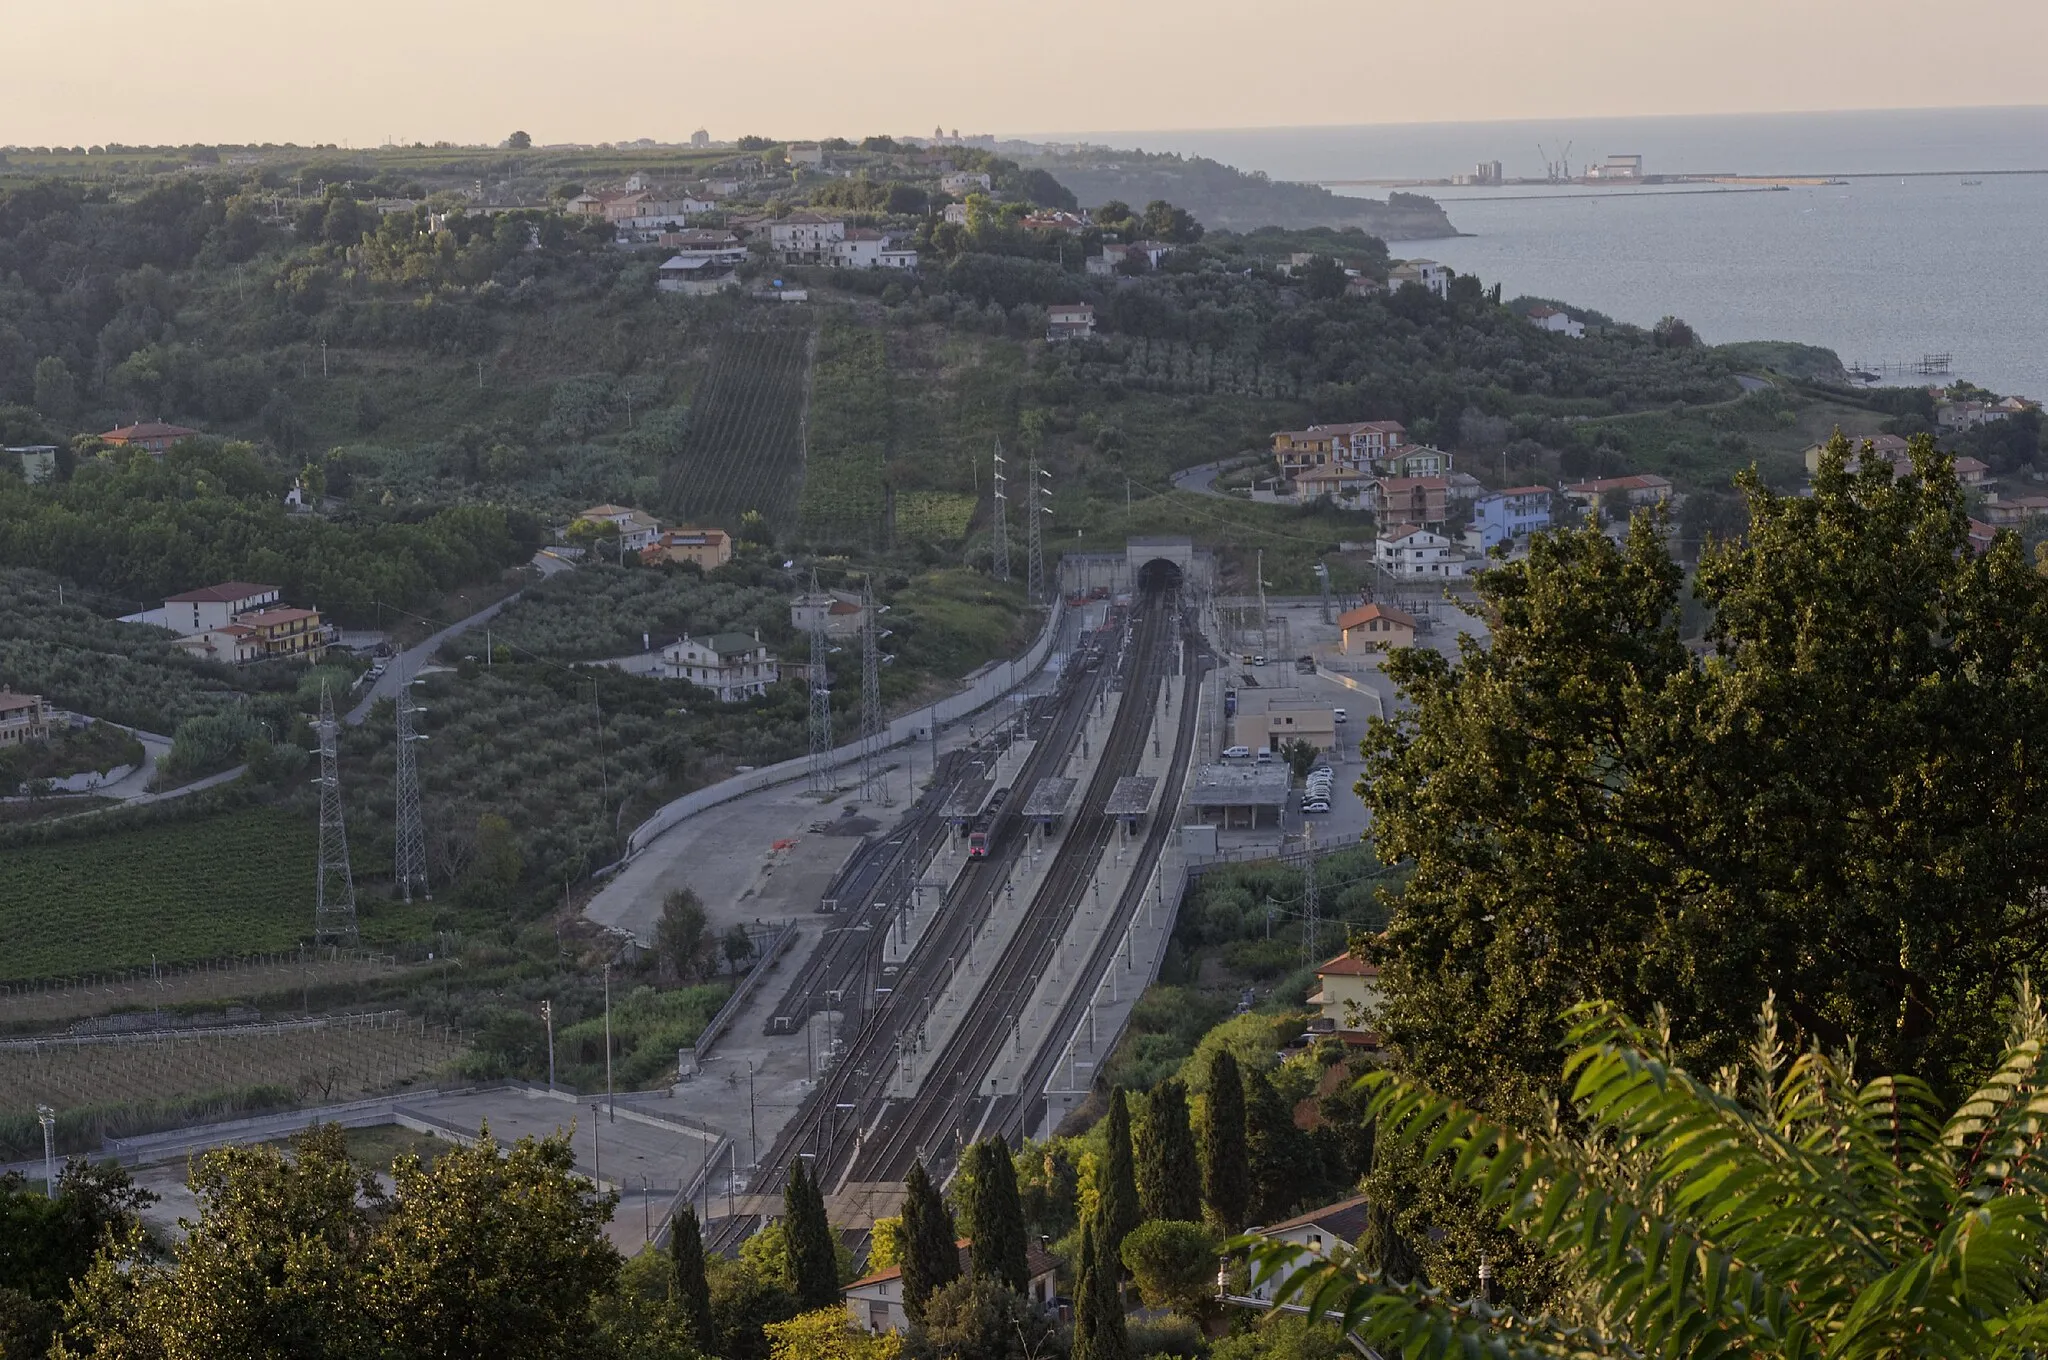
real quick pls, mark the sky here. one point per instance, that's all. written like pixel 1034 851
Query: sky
pixel 177 71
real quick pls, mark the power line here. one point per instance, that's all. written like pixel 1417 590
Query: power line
pixel 334 891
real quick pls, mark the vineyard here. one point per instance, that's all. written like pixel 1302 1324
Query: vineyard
pixel 226 885
pixel 851 435
pixel 23 1004
pixel 743 449
pixel 316 1061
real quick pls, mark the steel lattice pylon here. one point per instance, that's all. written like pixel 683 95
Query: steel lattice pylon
pixel 1002 521
pixel 334 892
pixel 1034 544
pixel 870 694
pixel 410 854
pixel 821 696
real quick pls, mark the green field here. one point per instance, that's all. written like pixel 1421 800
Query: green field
pixel 237 883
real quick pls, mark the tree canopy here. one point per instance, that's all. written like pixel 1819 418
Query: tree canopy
pixel 1837 800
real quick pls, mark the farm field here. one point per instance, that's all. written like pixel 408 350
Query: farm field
pixel 23 1005
pixel 228 885
pixel 744 446
pixel 314 1061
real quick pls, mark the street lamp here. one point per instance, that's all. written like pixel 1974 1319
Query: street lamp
pixel 47 1117
pixel 547 1015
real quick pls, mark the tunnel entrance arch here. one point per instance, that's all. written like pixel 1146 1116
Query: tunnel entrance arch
pixel 1159 576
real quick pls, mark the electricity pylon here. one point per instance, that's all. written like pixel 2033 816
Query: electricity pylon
pixel 334 892
pixel 1311 901
pixel 870 694
pixel 410 855
pixel 1033 537
pixel 821 696
pixel 1002 522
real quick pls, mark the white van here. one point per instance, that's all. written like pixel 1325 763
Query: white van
pixel 1264 757
pixel 1236 752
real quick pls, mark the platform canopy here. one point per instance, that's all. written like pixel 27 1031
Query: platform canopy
pixel 967 800
pixel 1050 798
pixel 1218 786
pixel 1132 796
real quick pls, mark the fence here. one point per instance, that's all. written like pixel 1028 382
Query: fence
pixel 741 994
pixel 161 976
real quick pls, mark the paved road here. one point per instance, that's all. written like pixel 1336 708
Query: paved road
pixel 409 661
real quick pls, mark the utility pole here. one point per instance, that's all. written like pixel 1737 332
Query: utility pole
pixel 1323 577
pixel 821 696
pixel 47 1117
pixel 1034 538
pixel 1262 598
pixel 410 855
pixel 1002 520
pixel 1311 900
pixel 547 1015
pixel 870 693
pixel 610 1098
pixel 334 890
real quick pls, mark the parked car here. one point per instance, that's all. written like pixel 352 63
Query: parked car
pixel 1265 756
pixel 1340 715
pixel 1236 752
pixel 1317 805
pixel 1258 658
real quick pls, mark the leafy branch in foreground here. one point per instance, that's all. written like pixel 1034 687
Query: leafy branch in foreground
pixel 1794 1214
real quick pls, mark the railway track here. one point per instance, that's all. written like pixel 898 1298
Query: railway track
pixel 862 1074
pixel 937 1121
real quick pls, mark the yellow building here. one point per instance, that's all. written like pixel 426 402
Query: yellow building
pixel 1350 993
pixel 1280 721
pixel 1379 628
pixel 287 634
pixel 708 548
pixel 23 717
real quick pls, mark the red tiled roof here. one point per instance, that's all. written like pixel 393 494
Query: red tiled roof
pixel 1349 965
pixel 1365 614
pixel 263 618
pixel 1037 1261
pixel 148 429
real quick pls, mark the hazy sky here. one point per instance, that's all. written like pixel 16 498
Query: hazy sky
pixel 175 71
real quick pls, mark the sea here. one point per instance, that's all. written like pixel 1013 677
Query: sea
pixel 1903 261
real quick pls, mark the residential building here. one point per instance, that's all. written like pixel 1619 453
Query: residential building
pixel 284 634
pixel 708 548
pixel 637 528
pixel 153 435
pixel 1981 537
pixel 1890 447
pixel 1319 1230
pixel 961 183
pixel 1423 501
pixel 1415 553
pixel 1641 489
pixel 1971 473
pixel 734 666
pixel 718 247
pixel 38 461
pixel 1505 516
pixel 23 717
pixel 839 615
pixel 1558 323
pixel 1364 446
pixel 1350 992
pixel 1420 273
pixel 1414 460
pixel 1301 451
pixel 229 643
pixel 807 153
pixel 805 237
pixel 875 1302
pixel 2004 512
pixel 195 611
pixel 1137 254
pixel 1462 488
pixel 1379 627
pixel 956 213
pixel 862 248
pixel 1056 220
pixel 1069 321
pixel 1338 483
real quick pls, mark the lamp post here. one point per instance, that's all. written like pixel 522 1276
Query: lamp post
pixel 547 1015
pixel 610 1099
pixel 47 1117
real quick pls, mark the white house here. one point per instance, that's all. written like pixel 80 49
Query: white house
pixel 1069 321
pixel 956 213
pixel 196 611
pixel 733 665
pixel 806 153
pixel 961 182
pixel 1408 551
pixel 806 238
pixel 1422 273
pixel 1319 1230
pixel 1552 320
pixel 875 1302
pixel 862 248
pixel 637 528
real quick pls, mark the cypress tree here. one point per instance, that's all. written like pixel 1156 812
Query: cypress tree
pixel 1169 1177
pixel 813 1258
pixel 693 1287
pixel 931 1261
pixel 1226 1168
pixel 1285 1167
pixel 1098 1306
pixel 1116 1188
pixel 997 1252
